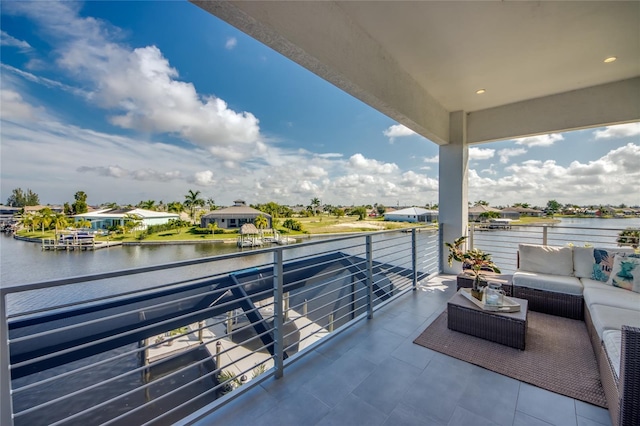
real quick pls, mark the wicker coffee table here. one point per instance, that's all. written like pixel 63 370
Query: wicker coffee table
pixel 508 329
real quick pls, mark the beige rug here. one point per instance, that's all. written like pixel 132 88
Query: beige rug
pixel 558 355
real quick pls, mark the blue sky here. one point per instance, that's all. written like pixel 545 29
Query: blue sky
pixel 131 101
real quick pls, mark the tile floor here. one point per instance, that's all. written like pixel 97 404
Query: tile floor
pixel 373 374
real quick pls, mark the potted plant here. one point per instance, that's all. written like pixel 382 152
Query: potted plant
pixel 629 237
pixel 474 261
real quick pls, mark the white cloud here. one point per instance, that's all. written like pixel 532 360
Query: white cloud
pixel 507 153
pixel 619 131
pixel 315 172
pixel 605 180
pixel 359 162
pixel 491 170
pixel 330 155
pixel 14 107
pixel 204 178
pixel 8 40
pixel 419 182
pixel 110 171
pixel 481 153
pixel 397 131
pixel 140 87
pixel 47 82
pixel 434 159
pixel 540 140
pixel 231 43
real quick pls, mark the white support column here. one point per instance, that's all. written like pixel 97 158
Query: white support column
pixel 453 189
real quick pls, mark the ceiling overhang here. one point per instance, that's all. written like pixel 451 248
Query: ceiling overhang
pixel 541 63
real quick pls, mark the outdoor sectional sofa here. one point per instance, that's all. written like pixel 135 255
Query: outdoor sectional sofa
pixel 601 287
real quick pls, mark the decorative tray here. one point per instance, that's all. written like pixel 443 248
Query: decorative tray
pixel 508 305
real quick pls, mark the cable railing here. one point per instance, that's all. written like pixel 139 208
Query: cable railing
pixel 502 244
pixel 171 343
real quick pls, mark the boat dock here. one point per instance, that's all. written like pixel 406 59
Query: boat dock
pixel 75 245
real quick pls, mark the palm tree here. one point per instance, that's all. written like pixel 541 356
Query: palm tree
pixel 212 227
pixel 211 204
pixel 147 205
pixel 175 207
pixel 28 221
pixel 132 221
pixel 83 223
pixel 315 202
pixel 45 217
pixel 191 201
pixel 60 221
pixel 261 222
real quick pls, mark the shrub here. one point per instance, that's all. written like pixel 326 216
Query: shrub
pixel 292 224
pixel 629 237
pixel 199 231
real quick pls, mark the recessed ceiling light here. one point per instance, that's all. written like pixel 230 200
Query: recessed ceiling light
pixel 610 59
pixel 480 91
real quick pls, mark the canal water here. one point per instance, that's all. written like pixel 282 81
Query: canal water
pixel 23 262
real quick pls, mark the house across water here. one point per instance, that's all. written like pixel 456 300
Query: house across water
pixel 108 218
pixel 234 216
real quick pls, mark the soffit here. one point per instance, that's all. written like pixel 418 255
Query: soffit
pixel 515 50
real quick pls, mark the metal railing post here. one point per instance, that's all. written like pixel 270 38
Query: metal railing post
pixel 369 248
pixel 544 235
pixel 440 247
pixel 286 306
pixel 230 322
pixel 414 259
pixel 471 229
pixel 6 404
pixel 278 321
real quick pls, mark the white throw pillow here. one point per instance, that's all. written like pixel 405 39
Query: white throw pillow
pixel 546 259
pixel 583 261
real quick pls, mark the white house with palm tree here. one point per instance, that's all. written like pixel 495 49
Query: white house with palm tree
pixel 234 216
pixel 109 218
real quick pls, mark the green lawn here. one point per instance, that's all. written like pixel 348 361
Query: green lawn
pixel 310 225
pixel 331 224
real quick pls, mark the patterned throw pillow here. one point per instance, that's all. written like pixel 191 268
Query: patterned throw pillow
pixel 626 272
pixel 604 264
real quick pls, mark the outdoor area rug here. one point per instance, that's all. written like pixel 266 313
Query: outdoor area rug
pixel 558 355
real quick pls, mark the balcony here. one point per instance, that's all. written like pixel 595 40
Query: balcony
pixel 318 333
pixel 373 374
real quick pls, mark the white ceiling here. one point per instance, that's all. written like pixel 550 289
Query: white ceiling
pixel 514 50
pixel 419 61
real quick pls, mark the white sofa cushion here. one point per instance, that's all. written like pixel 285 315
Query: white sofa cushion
pixel 589 283
pixel 612 318
pixel 611 296
pixel 612 340
pixel 546 259
pixel 583 261
pixel 552 283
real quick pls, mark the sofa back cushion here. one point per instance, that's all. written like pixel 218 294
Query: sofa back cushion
pixel 583 261
pixel 546 259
